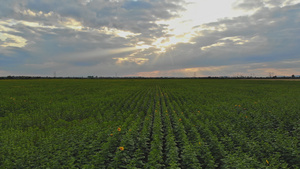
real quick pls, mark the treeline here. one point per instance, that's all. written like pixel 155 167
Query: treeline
pixel 139 77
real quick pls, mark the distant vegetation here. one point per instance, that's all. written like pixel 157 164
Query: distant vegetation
pixel 149 123
pixel 140 77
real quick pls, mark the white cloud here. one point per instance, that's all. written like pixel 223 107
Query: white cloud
pixel 218 44
pixel 71 23
pixel 117 32
pixel 13 22
pixel 233 40
pixel 12 40
pixel 32 13
pixel 5 28
pixel 138 61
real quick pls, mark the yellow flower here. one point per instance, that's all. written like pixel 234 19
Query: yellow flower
pixel 119 128
pixel 179 119
pixel 121 148
pixel 267 161
pixel 111 134
pixel 199 143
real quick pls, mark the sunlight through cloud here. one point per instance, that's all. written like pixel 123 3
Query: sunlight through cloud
pixel 117 32
pixel 138 61
pixel 167 38
pixel 198 12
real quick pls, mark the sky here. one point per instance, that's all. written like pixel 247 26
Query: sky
pixel 153 38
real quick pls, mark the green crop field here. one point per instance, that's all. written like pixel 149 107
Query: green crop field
pixel 149 123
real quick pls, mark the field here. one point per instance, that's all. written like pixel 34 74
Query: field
pixel 150 123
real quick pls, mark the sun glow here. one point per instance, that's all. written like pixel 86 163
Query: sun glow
pixel 190 21
pixel 164 43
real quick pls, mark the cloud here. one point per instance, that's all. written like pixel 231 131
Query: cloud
pixel 84 37
pixel 250 5
pixel 12 40
pixel 261 4
pixel 137 5
pixel 266 36
pixel 253 70
pixel 138 61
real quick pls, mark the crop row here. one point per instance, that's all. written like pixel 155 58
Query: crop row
pixel 151 124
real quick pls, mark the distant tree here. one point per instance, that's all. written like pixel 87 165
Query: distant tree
pixel 293 76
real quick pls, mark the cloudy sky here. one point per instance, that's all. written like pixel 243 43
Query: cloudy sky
pixel 150 37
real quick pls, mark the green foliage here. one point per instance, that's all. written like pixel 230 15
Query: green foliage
pixel 158 123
